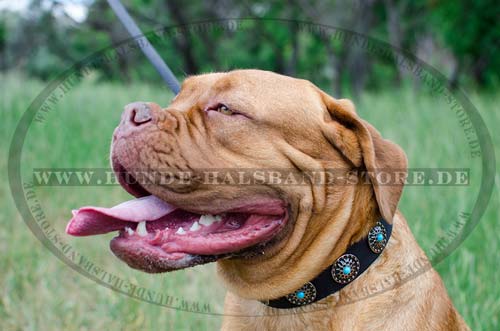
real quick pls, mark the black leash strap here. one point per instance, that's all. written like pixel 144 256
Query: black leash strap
pixel 148 49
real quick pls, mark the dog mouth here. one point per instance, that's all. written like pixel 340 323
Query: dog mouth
pixel 157 236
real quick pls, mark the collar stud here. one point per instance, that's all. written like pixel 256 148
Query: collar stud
pixel 377 238
pixel 303 296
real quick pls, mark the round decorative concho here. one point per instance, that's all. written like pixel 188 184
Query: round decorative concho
pixel 303 296
pixel 345 269
pixel 377 238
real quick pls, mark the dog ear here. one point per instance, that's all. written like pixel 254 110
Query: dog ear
pixel 362 144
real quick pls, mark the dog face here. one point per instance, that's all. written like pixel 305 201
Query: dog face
pixel 239 120
pixel 257 122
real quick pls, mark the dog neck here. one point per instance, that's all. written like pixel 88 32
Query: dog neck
pixel 318 239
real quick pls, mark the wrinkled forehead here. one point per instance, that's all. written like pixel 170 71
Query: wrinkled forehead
pixel 250 87
pixel 194 88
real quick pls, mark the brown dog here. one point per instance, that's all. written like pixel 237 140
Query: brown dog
pixel 269 238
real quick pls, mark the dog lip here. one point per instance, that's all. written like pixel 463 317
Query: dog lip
pixel 138 258
pixel 127 180
pixel 146 254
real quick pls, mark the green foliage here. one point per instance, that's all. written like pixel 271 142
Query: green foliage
pixel 3 32
pixel 463 33
pixel 471 30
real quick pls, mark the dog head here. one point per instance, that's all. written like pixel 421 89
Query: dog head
pixel 234 170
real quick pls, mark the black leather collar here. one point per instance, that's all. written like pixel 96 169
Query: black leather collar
pixel 357 258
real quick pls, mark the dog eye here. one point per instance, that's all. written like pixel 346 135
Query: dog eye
pixel 224 110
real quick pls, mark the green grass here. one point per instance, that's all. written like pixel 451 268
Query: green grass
pixel 39 292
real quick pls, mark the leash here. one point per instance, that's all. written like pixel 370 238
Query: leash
pixel 148 49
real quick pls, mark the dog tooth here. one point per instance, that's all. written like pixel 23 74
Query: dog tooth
pixel 129 231
pixel 195 226
pixel 141 229
pixel 207 219
pixel 218 218
pixel 180 231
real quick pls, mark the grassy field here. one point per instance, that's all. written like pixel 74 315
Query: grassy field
pixel 39 292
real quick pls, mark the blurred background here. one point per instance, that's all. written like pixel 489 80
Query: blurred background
pixel 40 40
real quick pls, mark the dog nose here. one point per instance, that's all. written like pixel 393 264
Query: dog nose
pixel 138 113
pixel 138 117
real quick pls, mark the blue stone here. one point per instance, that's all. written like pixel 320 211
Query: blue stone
pixel 380 237
pixel 346 270
pixel 300 295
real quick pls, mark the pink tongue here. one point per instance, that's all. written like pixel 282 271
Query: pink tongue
pixel 89 221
